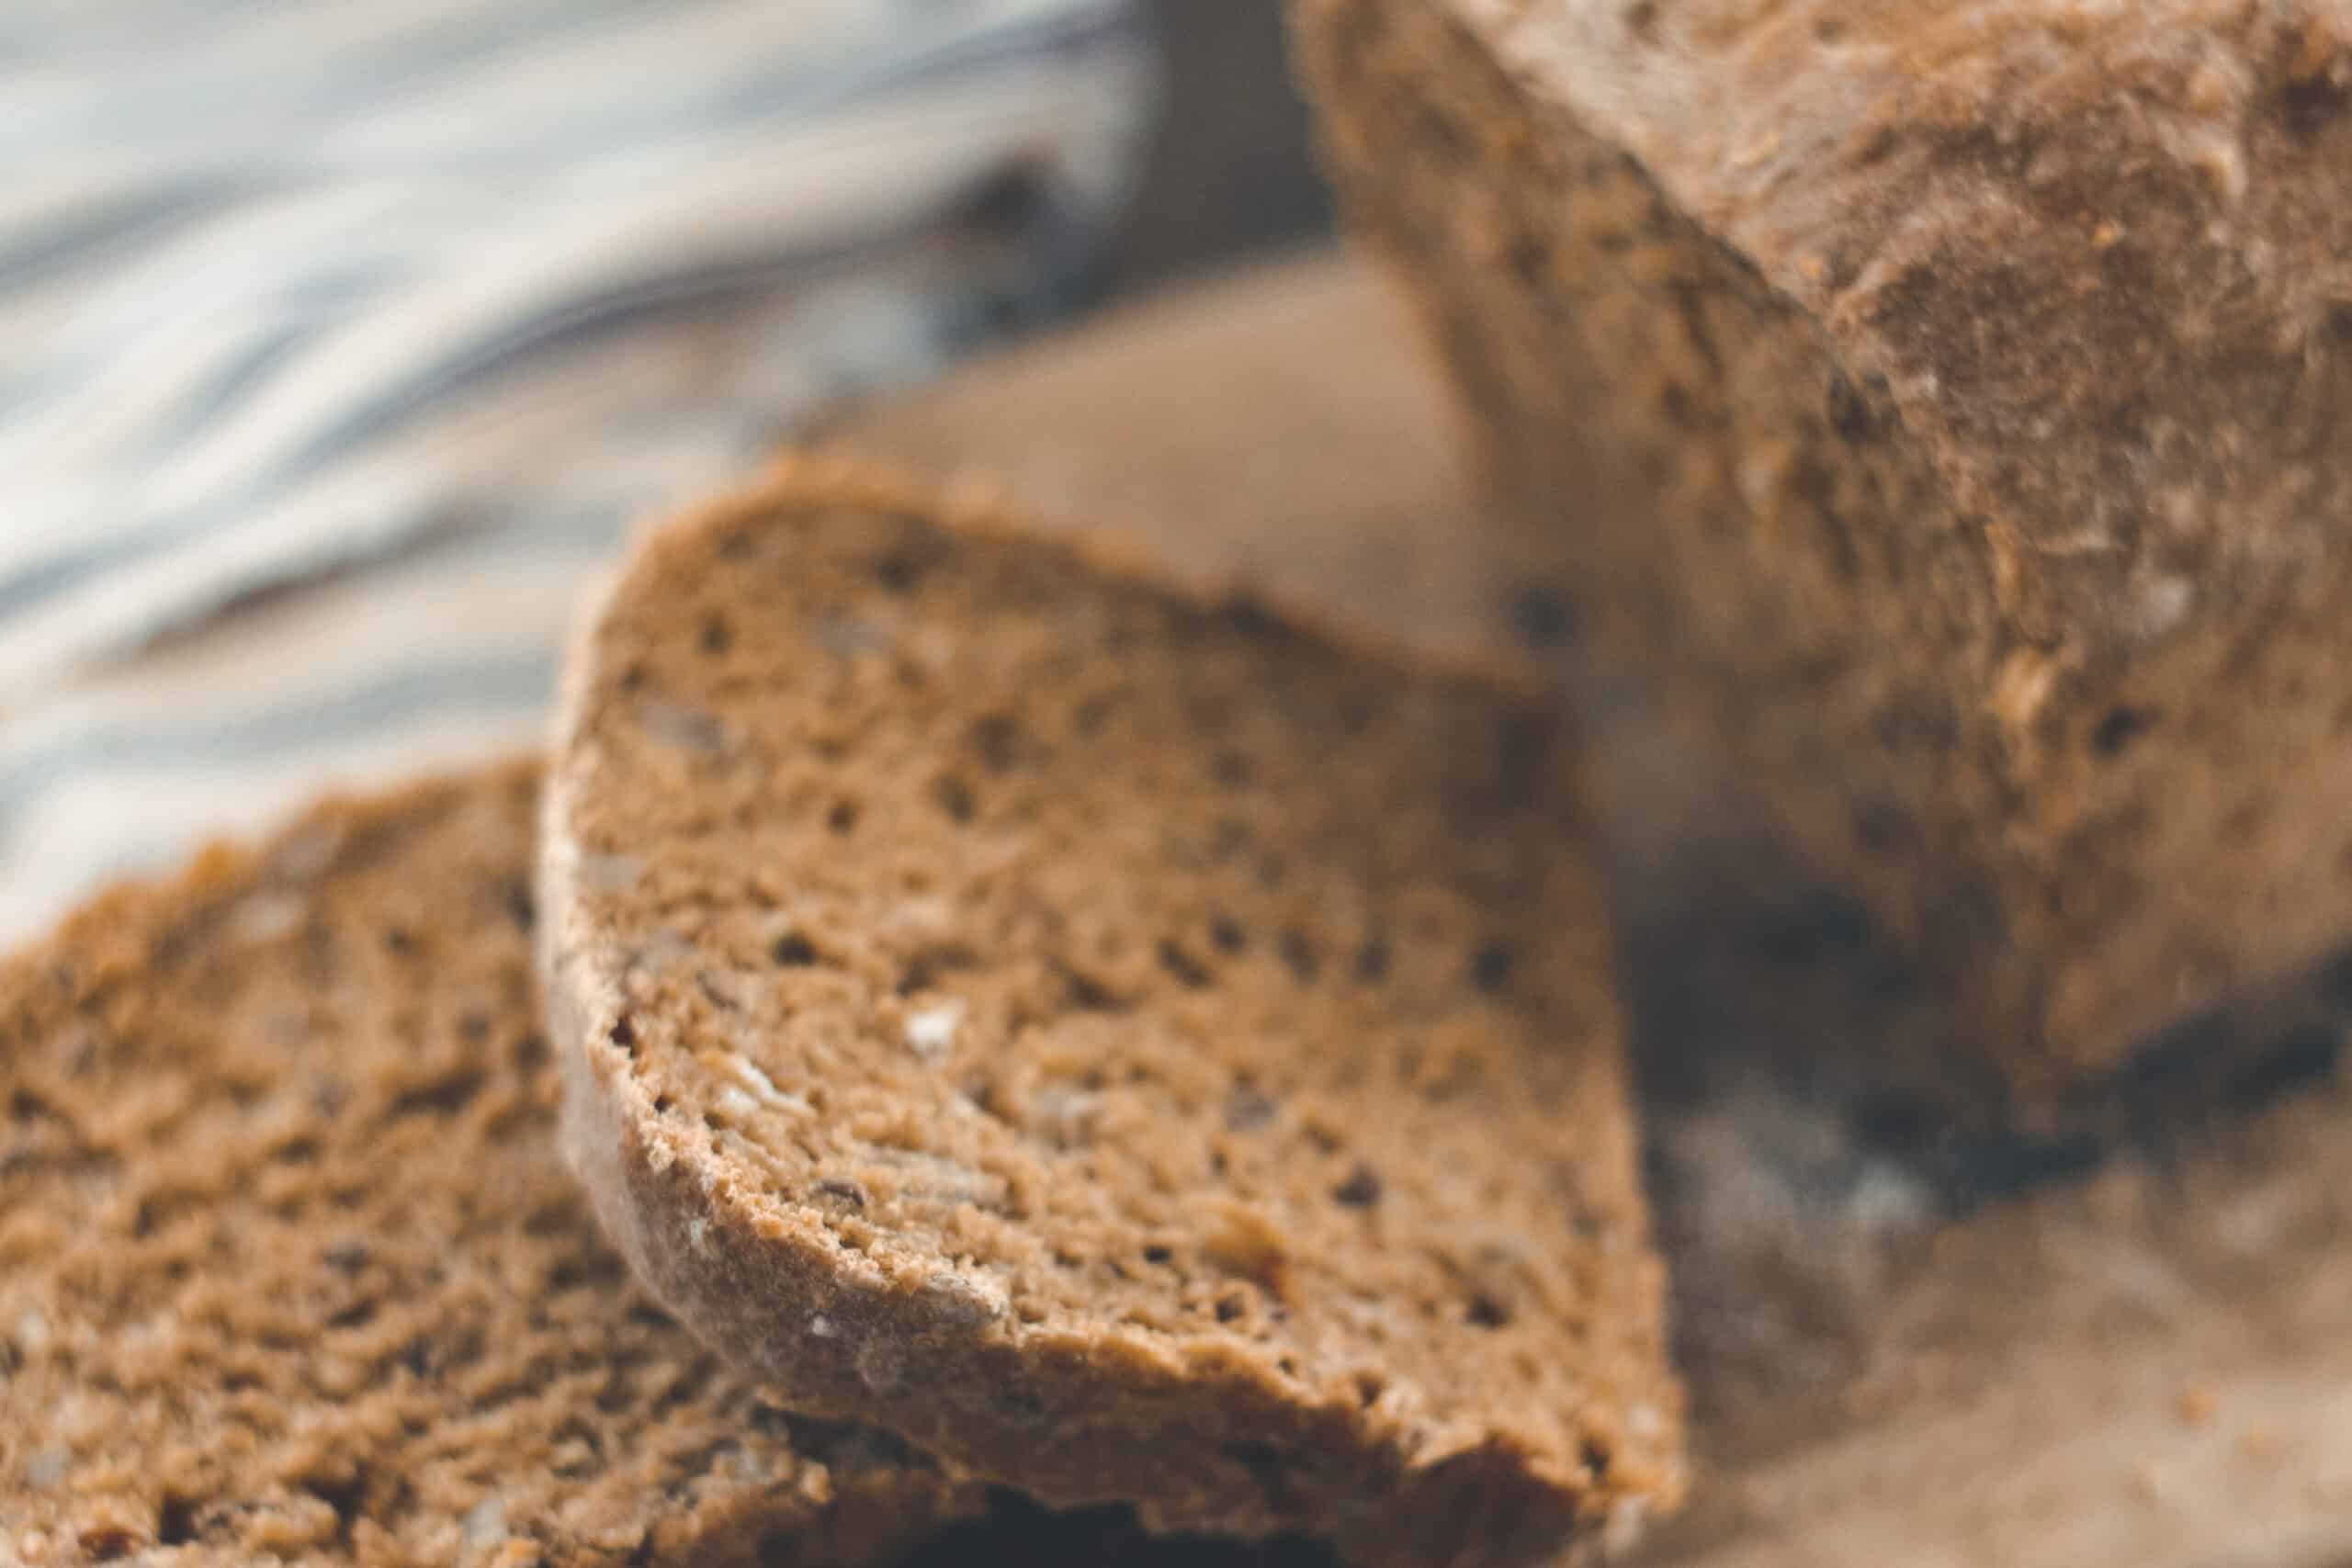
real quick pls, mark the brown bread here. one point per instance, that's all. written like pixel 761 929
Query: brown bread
pixel 1945 401
pixel 1112 1037
pixel 290 1269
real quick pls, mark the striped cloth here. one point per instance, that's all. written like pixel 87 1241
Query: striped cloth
pixel 374 322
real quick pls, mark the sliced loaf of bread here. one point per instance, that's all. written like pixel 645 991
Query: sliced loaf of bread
pixel 290 1269
pixel 1114 1038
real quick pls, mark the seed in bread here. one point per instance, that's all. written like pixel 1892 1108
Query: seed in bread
pixel 1124 1043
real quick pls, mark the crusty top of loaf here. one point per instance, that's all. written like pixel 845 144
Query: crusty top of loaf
pixel 1111 1036
pixel 2098 251
pixel 290 1267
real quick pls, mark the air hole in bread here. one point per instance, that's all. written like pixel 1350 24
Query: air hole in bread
pixel 924 967
pixel 1089 994
pixel 997 739
pixel 1360 1190
pixel 2307 108
pixel 898 571
pixel 1182 967
pixel 1542 617
pixel 1298 955
pixel 175 1520
pixel 444 1097
pixel 954 797
pixel 2119 728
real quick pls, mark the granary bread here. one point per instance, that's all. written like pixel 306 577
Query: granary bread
pixel 1112 1037
pixel 1948 402
pixel 290 1269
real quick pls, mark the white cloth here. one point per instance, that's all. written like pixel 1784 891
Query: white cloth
pixel 432 297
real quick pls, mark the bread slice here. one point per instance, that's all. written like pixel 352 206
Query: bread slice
pixel 289 1268
pixel 1117 1040
pixel 1947 400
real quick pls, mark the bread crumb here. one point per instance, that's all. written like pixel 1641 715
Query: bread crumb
pixel 820 1326
pixel 2197 1405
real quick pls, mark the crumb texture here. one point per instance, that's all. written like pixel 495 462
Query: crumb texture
pixel 1124 1042
pixel 290 1269
pixel 1945 404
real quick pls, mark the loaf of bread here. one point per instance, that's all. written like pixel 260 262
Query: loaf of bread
pixel 1112 1038
pixel 289 1268
pixel 1948 401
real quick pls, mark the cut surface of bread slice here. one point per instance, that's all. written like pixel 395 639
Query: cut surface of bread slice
pixel 1111 1038
pixel 289 1268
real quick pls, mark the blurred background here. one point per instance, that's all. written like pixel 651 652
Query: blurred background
pixel 346 343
